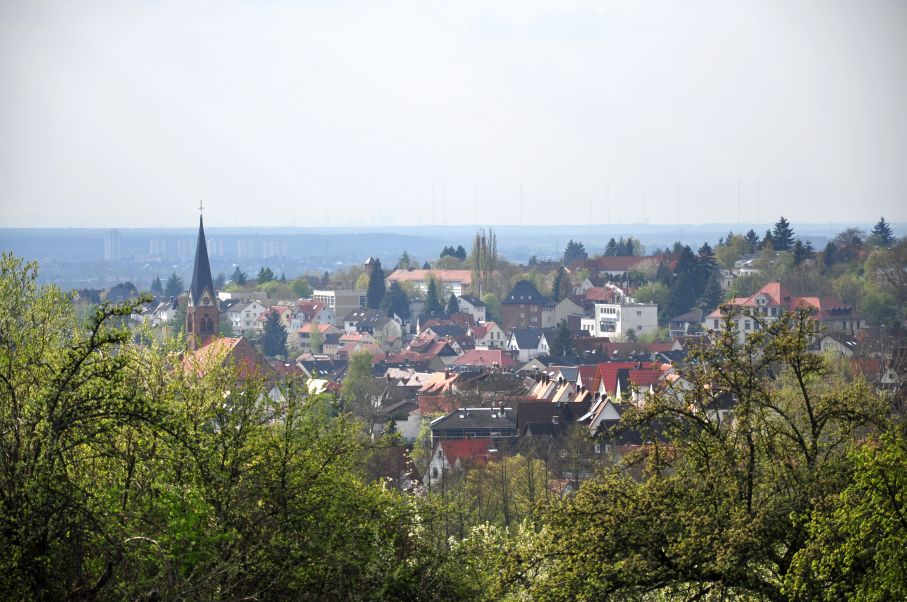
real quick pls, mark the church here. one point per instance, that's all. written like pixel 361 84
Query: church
pixel 203 324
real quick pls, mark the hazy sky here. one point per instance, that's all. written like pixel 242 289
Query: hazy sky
pixel 344 112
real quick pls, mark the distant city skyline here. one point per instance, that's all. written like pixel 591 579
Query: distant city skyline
pixel 124 115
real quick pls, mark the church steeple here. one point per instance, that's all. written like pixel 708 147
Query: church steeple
pixel 201 272
pixel 202 315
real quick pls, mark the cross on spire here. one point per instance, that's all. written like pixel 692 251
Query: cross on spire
pixel 200 206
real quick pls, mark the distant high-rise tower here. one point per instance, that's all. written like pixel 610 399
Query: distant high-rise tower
pixel 112 245
pixel 202 315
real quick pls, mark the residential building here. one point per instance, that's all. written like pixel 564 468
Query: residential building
pixel 341 301
pixel 774 299
pixel 474 423
pixel 450 281
pixel 528 343
pixel 472 305
pixel 488 336
pixel 617 319
pixel 526 307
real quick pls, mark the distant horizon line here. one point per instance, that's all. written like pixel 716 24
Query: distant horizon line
pixel 210 226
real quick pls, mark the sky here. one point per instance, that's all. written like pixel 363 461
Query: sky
pixel 339 113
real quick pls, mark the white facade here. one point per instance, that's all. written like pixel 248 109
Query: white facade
pixel 244 317
pixel 476 311
pixel 341 301
pixel 618 319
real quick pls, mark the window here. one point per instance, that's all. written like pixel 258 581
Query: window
pixel 716 323
pixel 746 325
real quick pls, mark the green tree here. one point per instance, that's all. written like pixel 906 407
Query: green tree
pixel 264 275
pixel 174 286
pixel 492 306
pixel 157 288
pixel 752 241
pixel 716 509
pixel 66 397
pixel 453 306
pixel 375 291
pixel 484 260
pixel 881 235
pixel 301 287
pixel 238 277
pixel 562 344
pixel 782 235
pixel 712 295
pixel 404 263
pixel 561 287
pixel 396 301
pixel 358 386
pixel 315 341
pixel 433 303
pixel 274 337
pixel 856 548
pixel 574 252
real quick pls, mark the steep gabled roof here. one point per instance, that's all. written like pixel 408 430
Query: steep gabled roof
pixel 201 272
pixel 528 338
pixel 525 292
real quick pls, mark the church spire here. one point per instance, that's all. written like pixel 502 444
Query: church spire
pixel 202 314
pixel 201 273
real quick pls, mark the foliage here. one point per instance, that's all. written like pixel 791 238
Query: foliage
pixel 492 307
pixel 405 262
pixel 484 258
pixel 157 288
pixel 782 235
pixel 375 291
pixel 562 343
pixel 359 387
pixel 459 252
pixel 574 252
pixel 238 277
pixel 396 301
pixel 720 509
pixel 301 287
pixel 881 235
pixel 561 287
pixel 264 275
pixel 453 306
pixel 857 538
pixel 433 303
pixel 174 286
pixel 274 337
pixel 628 247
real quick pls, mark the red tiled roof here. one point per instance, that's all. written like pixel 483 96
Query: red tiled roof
pixel 475 451
pixel 485 357
pixel 464 276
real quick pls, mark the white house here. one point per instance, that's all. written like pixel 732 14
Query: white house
pixel 472 305
pixel 488 335
pixel 341 302
pixel 528 343
pixel 244 317
pixel 619 318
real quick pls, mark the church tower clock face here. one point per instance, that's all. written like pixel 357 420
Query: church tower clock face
pixel 206 300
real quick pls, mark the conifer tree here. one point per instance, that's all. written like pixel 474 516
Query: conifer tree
pixel 782 235
pixel 174 287
pixel 881 235
pixel 157 287
pixel 238 277
pixel 376 288
pixel 432 301
pixel 274 338
pixel 453 306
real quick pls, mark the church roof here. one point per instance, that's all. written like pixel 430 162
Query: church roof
pixel 201 272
